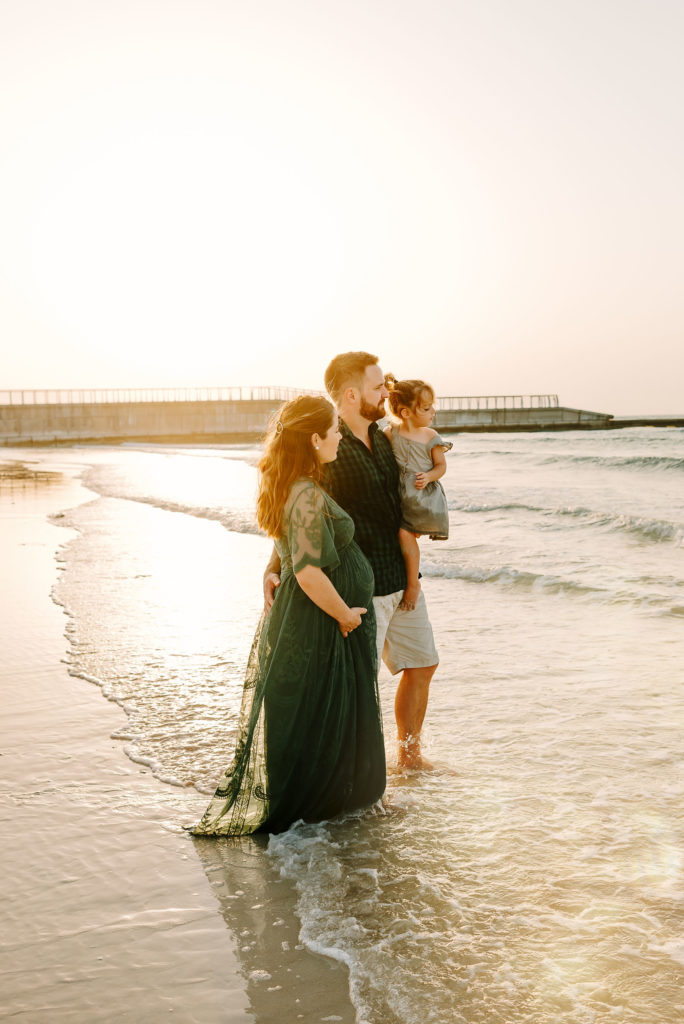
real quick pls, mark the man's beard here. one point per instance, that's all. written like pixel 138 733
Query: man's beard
pixel 372 413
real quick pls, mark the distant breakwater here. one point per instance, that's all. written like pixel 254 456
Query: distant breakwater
pixel 243 414
pixel 143 414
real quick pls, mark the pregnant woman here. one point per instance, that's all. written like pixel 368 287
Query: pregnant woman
pixel 310 743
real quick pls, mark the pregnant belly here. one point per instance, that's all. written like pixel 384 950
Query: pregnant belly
pixel 353 577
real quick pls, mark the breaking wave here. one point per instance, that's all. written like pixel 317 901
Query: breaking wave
pixel 655 530
pixel 652 462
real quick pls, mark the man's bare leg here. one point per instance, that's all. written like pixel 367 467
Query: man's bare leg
pixel 410 705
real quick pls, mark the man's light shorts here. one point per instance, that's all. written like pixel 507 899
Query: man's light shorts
pixel 404 638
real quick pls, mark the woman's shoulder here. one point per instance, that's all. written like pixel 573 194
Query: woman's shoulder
pixel 307 493
pixel 301 490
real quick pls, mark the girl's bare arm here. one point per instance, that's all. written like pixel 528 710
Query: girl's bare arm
pixel 439 467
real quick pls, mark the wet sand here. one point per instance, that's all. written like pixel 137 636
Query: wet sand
pixel 110 911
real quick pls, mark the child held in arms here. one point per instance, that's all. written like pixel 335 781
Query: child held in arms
pixel 420 454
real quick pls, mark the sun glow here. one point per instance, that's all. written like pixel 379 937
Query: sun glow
pixel 154 241
pixel 215 193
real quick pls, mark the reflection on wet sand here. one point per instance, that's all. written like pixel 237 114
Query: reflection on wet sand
pixel 284 980
pixel 17 476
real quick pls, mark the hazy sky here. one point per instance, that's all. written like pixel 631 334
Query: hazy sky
pixel 487 194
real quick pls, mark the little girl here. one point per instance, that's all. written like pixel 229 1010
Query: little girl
pixel 419 451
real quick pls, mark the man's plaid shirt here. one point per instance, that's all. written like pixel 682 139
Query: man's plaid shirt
pixel 367 487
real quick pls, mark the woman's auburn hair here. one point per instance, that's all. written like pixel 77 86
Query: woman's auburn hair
pixel 404 394
pixel 288 455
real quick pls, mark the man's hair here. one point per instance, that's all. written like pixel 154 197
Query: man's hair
pixel 347 370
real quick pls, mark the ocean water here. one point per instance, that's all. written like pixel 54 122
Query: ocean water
pixel 538 874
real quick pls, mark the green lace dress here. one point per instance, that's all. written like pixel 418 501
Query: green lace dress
pixel 310 742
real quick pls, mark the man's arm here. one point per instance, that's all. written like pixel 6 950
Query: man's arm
pixel 271 579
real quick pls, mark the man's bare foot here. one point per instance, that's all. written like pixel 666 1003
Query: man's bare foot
pixel 408 601
pixel 416 762
pixel 409 755
pixel 402 770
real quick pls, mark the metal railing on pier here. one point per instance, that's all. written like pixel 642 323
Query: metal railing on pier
pixel 496 402
pixel 92 396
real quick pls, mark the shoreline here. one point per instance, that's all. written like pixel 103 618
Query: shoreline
pixel 107 902
pixel 556 603
pixel 257 436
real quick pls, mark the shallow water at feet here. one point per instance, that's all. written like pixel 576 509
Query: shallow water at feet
pixel 538 875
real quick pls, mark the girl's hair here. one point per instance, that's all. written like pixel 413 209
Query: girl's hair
pixel 405 394
pixel 288 454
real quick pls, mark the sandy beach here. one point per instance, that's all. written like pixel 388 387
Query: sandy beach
pixel 110 911
pixel 538 877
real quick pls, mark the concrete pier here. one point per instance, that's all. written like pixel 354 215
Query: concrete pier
pixel 233 414
pixel 180 421
pixel 182 416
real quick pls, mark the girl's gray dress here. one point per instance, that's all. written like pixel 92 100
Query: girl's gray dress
pixel 423 511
